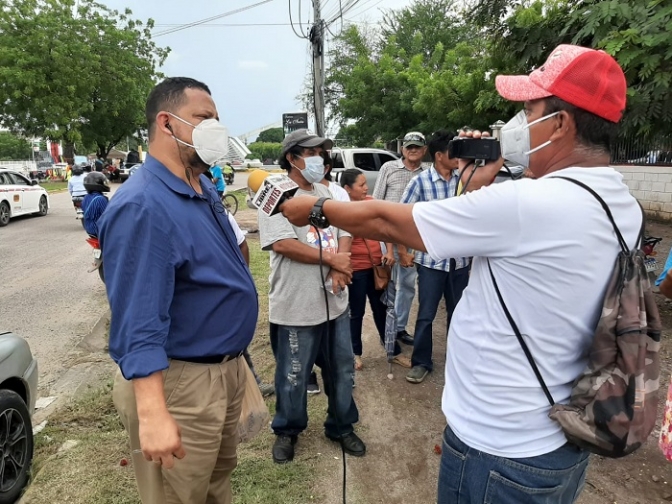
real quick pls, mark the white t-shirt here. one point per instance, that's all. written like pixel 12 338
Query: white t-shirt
pixel 240 236
pixel 552 250
pixel 338 192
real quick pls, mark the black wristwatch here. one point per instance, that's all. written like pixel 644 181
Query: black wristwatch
pixel 317 217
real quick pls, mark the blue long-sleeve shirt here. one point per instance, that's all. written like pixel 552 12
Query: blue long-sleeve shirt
pixel 93 206
pixel 177 283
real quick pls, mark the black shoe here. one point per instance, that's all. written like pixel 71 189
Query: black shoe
pixel 404 337
pixel 283 449
pixel 352 444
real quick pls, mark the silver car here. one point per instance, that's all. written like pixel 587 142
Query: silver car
pixel 18 392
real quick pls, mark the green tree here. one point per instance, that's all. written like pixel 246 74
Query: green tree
pixel 82 79
pixel 13 147
pixel 635 32
pixel 264 150
pixel 273 135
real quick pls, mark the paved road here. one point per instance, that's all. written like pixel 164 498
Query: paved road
pixel 46 294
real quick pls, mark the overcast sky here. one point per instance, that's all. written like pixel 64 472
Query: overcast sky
pixel 255 72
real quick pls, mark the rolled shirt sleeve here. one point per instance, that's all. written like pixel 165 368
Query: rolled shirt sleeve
pixel 140 281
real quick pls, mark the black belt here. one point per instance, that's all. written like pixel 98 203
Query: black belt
pixel 210 359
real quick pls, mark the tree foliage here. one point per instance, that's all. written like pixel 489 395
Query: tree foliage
pixel 264 150
pixel 14 147
pixel 433 64
pixel 272 135
pixel 79 77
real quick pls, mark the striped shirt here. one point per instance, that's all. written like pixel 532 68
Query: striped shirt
pixel 393 178
pixel 430 186
pixel 94 205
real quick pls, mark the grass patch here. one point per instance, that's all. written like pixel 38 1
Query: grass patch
pixel 91 472
pixel 54 186
pixel 241 195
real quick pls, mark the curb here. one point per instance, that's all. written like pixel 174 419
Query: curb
pixel 62 387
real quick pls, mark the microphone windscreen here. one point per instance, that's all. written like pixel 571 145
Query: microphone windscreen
pixel 255 179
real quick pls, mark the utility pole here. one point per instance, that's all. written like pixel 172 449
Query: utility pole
pixel 317 40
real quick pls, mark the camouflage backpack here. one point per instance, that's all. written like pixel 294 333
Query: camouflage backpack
pixel 613 406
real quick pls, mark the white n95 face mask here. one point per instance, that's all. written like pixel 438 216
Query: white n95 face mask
pixel 211 140
pixel 515 139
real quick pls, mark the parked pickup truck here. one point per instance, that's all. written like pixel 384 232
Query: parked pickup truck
pixel 365 159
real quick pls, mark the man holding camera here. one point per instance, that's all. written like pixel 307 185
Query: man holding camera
pixel 551 249
pixel 446 278
pixel 392 180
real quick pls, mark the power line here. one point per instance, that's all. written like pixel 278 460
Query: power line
pixel 291 21
pixel 213 18
pixel 216 25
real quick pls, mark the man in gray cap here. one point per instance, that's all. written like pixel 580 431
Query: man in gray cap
pixel 392 181
pixel 303 331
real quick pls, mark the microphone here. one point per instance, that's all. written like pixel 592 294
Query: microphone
pixel 271 191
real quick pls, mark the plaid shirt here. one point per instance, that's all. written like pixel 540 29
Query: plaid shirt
pixel 393 178
pixel 429 186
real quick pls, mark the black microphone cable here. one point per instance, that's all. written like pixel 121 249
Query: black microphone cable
pixel 327 361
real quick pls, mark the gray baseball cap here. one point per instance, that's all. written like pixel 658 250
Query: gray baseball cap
pixel 304 138
pixel 414 138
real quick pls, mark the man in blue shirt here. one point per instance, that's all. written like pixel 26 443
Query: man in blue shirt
pixel 218 180
pixel 184 305
pixel 94 203
pixel 436 279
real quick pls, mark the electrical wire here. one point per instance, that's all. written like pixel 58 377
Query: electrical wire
pixel 368 8
pixel 291 21
pixel 213 18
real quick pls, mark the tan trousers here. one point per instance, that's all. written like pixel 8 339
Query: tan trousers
pixel 205 400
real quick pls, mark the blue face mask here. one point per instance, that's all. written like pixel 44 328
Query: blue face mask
pixel 314 170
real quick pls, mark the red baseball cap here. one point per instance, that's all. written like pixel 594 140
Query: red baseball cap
pixel 589 79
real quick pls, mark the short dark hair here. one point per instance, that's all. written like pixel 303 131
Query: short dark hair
pixel 592 131
pixel 349 176
pixel 327 162
pixel 169 95
pixel 296 151
pixel 439 142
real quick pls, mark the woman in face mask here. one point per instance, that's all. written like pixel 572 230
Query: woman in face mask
pixel 365 254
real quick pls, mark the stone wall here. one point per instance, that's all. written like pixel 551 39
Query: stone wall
pixel 652 186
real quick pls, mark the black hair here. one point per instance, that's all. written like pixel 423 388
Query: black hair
pixel 327 162
pixel 169 95
pixel 592 131
pixel 296 151
pixel 349 176
pixel 439 142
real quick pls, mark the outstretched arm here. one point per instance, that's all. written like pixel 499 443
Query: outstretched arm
pixel 376 220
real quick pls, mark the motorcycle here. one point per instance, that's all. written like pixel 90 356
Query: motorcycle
pixel 97 257
pixel 228 175
pixel 77 201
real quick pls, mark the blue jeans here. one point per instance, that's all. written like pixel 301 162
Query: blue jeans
pixel 363 286
pixel 432 286
pixel 296 350
pixel 404 280
pixel 469 476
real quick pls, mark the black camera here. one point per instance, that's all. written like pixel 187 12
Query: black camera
pixel 486 149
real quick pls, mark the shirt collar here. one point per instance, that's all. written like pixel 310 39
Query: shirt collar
pixel 174 183
pixel 435 176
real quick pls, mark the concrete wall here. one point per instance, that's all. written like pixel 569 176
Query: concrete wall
pixel 652 186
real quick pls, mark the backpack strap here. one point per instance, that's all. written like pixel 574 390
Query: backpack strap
pixel 621 240
pixel 523 345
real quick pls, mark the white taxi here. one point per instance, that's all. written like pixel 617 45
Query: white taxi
pixel 20 196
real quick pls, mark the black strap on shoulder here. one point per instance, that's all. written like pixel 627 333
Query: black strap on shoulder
pixel 621 240
pixel 523 345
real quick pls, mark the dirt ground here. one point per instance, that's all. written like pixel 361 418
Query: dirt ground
pixel 402 423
